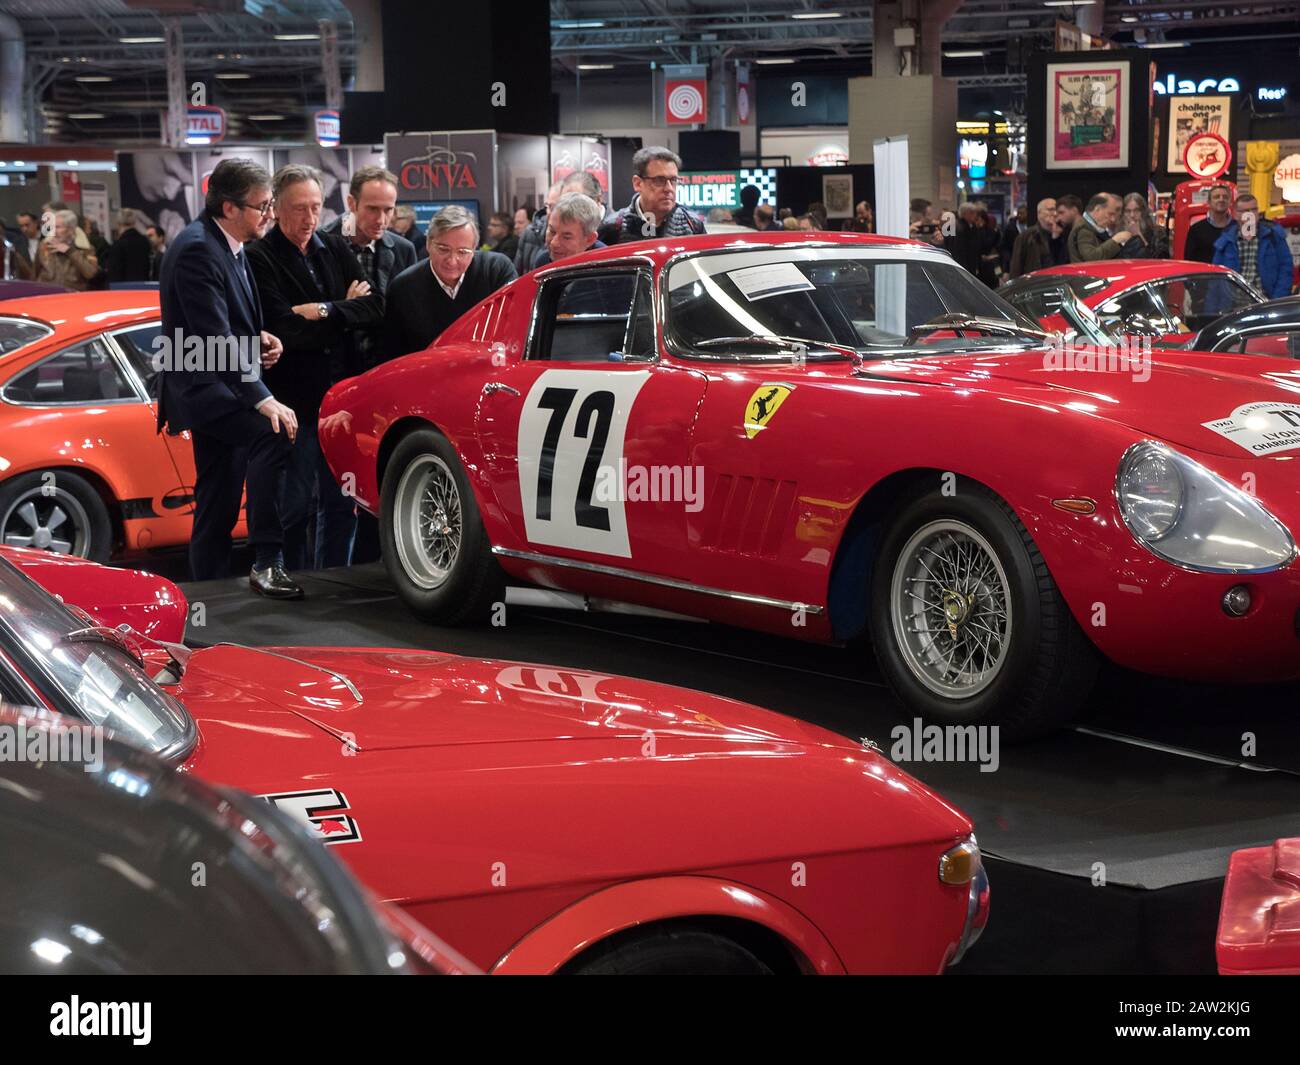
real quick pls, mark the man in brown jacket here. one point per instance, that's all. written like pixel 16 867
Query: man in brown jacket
pixel 61 261
pixel 1091 239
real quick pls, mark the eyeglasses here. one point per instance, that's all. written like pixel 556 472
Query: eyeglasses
pixel 261 208
pixel 448 252
pixel 662 182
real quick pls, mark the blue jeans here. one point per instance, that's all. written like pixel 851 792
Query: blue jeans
pixel 309 489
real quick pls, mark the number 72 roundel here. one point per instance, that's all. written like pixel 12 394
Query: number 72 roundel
pixel 571 442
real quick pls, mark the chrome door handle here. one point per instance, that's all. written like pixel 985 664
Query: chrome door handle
pixel 497 386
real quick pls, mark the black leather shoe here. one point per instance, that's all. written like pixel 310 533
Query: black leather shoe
pixel 274 583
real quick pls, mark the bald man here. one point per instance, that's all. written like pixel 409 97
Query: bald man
pixel 1042 244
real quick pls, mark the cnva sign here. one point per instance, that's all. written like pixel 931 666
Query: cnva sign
pixel 437 176
pixel 1174 86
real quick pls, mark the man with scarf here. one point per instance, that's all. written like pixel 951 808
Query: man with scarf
pixel 654 211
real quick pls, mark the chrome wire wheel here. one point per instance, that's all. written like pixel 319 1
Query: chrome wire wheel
pixel 47 518
pixel 428 521
pixel 951 609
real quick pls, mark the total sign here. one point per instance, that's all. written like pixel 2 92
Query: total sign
pixel 204 124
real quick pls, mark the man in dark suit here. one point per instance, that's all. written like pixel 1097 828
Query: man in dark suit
pixel 313 295
pixel 211 318
pixel 381 252
pixel 127 258
pixel 426 298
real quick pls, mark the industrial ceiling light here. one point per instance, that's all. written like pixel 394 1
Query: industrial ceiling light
pixel 595 66
pixel 297 36
pixel 141 40
pixel 229 75
pixel 1128 18
pixel 266 118
pixel 88 79
pixel 1164 44
pixel 1068 3
pixel 818 14
pixel 84 114
pixel 578 24
pixel 970 53
pixel 772 62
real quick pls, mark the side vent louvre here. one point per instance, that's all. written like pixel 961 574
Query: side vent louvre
pixel 747 515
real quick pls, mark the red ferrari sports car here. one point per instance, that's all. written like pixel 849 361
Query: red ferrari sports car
pixel 548 820
pixel 82 469
pixel 831 436
pixel 1101 302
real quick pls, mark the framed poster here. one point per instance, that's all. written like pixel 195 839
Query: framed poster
pixel 837 195
pixel 1087 115
pixel 1190 116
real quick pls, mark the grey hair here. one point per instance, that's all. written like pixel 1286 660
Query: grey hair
pixel 642 160
pixel 68 218
pixel 581 208
pixel 126 217
pixel 450 218
pixel 294 174
pixel 584 182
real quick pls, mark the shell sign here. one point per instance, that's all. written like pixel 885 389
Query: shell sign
pixel 1287 178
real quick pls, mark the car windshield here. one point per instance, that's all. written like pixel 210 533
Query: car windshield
pixel 869 299
pixel 1044 297
pixel 1184 304
pixel 98 681
pixel 17 333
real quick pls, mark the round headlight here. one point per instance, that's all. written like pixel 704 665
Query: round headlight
pixel 1151 493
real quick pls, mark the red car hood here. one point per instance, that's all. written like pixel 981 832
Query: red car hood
pixel 1170 396
pixel 381 699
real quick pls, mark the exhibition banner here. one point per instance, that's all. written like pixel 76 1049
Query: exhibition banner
pixel 444 166
pixel 1193 115
pixel 1087 112
pixel 686 93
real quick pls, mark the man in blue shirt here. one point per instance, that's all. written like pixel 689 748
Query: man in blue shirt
pixel 1257 250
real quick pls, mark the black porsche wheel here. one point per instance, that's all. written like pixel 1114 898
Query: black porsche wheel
pixel 435 548
pixel 671 952
pixel 968 625
pixel 55 511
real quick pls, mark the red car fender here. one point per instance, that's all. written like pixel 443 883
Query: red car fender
pixel 560 939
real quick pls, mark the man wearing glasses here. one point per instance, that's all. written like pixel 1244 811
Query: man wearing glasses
pixel 654 210
pixel 426 298
pixel 210 382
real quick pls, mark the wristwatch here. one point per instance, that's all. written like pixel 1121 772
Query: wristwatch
pixel 323 310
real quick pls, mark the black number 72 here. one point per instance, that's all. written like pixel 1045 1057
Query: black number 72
pixel 558 401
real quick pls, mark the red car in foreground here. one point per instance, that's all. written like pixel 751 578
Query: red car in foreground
pixel 1165 299
pixel 544 820
pixel 835 436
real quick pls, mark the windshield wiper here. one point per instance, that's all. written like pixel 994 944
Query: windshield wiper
pixel 963 323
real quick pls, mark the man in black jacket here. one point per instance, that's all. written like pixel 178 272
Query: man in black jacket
pixel 240 430
pixel 314 295
pixel 127 258
pixel 381 252
pixel 654 210
pixel 1201 236
pixel 425 299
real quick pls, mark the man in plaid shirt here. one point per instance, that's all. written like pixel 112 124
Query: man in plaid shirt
pixel 1257 250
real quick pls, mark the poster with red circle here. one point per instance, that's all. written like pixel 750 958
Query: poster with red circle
pixel 685 101
pixel 1207 155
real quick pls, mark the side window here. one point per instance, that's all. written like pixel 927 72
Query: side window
pixel 1284 344
pixel 641 336
pixel 584 318
pixel 137 343
pixel 84 373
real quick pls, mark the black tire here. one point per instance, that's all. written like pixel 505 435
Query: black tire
pixel 473 581
pixel 1047 667
pixel 669 952
pixel 85 524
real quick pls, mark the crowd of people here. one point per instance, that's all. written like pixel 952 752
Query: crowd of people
pixel 61 247
pixel 322 303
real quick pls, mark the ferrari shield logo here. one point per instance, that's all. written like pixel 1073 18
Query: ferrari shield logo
pixel 763 405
